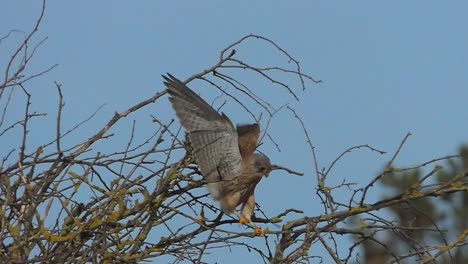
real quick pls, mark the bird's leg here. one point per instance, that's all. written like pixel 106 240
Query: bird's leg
pixel 245 221
pixel 257 230
pixel 247 210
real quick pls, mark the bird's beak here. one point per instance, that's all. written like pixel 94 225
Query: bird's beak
pixel 278 167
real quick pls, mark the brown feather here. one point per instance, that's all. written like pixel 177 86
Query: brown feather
pixel 248 139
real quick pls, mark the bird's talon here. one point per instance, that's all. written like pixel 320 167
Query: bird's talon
pixel 243 221
pixel 259 232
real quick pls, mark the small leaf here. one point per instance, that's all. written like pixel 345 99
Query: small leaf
pixel 39 151
pixel 362 224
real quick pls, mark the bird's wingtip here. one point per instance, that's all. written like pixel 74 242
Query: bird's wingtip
pixel 168 77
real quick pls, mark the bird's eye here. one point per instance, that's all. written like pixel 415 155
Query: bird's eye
pixel 262 168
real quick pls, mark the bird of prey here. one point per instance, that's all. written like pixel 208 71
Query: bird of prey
pixel 225 154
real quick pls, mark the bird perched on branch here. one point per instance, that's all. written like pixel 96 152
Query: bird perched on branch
pixel 225 155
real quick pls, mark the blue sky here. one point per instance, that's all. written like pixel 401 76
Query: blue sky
pixel 388 68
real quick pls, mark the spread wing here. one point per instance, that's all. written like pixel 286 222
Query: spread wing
pixel 248 139
pixel 212 136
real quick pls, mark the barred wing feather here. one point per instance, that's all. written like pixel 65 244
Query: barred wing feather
pixel 212 136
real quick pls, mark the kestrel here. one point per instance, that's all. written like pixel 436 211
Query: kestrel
pixel 225 155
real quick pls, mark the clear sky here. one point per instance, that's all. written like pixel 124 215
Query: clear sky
pixel 388 68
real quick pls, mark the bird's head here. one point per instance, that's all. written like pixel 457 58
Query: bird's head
pixel 261 164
